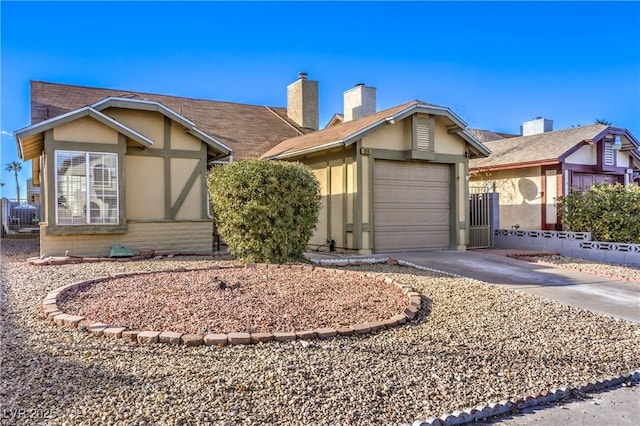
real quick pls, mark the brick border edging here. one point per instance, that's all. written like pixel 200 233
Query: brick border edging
pixel 484 411
pixel 525 257
pixel 60 318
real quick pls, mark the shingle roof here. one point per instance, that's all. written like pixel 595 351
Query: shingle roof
pixel 485 135
pixel 249 130
pixel 345 133
pixel 539 148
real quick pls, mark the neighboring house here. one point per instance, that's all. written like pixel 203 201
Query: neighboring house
pixel 118 167
pixel 532 170
pixel 33 192
pixel 390 180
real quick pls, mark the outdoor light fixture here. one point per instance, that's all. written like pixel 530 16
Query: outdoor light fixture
pixel 617 143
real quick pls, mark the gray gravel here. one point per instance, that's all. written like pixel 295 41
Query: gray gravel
pixel 473 343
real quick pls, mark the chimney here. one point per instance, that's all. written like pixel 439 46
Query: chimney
pixel 359 102
pixel 536 126
pixel 302 102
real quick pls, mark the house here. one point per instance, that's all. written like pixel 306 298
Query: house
pixel 532 170
pixel 390 180
pixel 121 167
pixel 129 168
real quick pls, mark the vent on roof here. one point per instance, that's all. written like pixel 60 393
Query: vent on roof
pixel 424 133
pixel 609 153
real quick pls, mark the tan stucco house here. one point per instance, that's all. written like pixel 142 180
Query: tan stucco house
pixel 530 171
pixel 391 180
pixel 129 168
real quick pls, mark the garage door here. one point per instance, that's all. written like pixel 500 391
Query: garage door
pixel 411 206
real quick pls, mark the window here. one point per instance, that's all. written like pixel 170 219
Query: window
pixel 86 188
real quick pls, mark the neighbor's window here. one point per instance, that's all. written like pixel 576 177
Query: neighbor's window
pixel 86 188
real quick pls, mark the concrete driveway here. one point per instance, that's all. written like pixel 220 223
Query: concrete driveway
pixel 598 294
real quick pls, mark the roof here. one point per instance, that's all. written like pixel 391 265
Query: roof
pixel 346 133
pixel 485 135
pixel 31 138
pixel 249 130
pixel 547 148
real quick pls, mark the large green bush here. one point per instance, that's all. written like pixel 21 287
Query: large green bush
pixel 609 212
pixel 266 211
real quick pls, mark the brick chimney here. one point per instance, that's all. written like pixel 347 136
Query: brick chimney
pixel 536 126
pixel 359 102
pixel 302 102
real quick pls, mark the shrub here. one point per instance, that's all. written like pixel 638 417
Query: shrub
pixel 609 212
pixel 266 211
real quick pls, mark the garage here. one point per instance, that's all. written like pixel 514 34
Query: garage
pixel 412 207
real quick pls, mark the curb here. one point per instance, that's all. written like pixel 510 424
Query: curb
pixel 375 260
pixel 481 412
pixel 56 315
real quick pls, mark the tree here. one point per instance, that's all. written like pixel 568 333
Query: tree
pixel 265 210
pixel 603 121
pixel 15 167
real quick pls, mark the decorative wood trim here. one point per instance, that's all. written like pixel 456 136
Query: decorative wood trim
pixel 186 189
pixel 357 204
pixel 166 149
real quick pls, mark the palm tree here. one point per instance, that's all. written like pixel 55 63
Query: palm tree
pixel 15 167
pixel 603 121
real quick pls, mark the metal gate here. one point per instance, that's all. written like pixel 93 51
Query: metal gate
pixel 480 218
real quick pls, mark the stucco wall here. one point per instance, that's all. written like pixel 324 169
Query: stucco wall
pixel 148 123
pixel 163 237
pixel 446 143
pixel 337 177
pixel 182 140
pixel 86 130
pixel 144 182
pixel 587 155
pixel 520 195
pixel 388 137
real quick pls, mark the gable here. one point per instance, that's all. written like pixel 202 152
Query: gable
pixel 85 129
pixel 150 124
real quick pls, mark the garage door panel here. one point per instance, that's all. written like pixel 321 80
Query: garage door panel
pixel 414 240
pixel 411 206
pixel 418 194
pixel 410 217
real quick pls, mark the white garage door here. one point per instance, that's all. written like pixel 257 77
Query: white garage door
pixel 411 206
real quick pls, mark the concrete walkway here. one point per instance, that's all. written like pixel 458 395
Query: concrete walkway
pixel 598 294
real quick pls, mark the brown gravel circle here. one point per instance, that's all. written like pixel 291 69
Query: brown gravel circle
pixel 254 300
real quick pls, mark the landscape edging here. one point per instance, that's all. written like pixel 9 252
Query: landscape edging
pixel 481 412
pixel 56 315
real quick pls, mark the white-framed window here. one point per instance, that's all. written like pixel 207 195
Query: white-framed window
pixel 86 188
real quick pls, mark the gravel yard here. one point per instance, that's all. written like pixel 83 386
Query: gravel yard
pixel 472 343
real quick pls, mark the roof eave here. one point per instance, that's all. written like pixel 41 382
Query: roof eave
pixel 41 127
pixel 302 152
pixel 520 165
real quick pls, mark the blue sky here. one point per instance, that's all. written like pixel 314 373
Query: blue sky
pixel 495 64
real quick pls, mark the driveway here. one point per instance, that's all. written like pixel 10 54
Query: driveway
pixel 595 293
